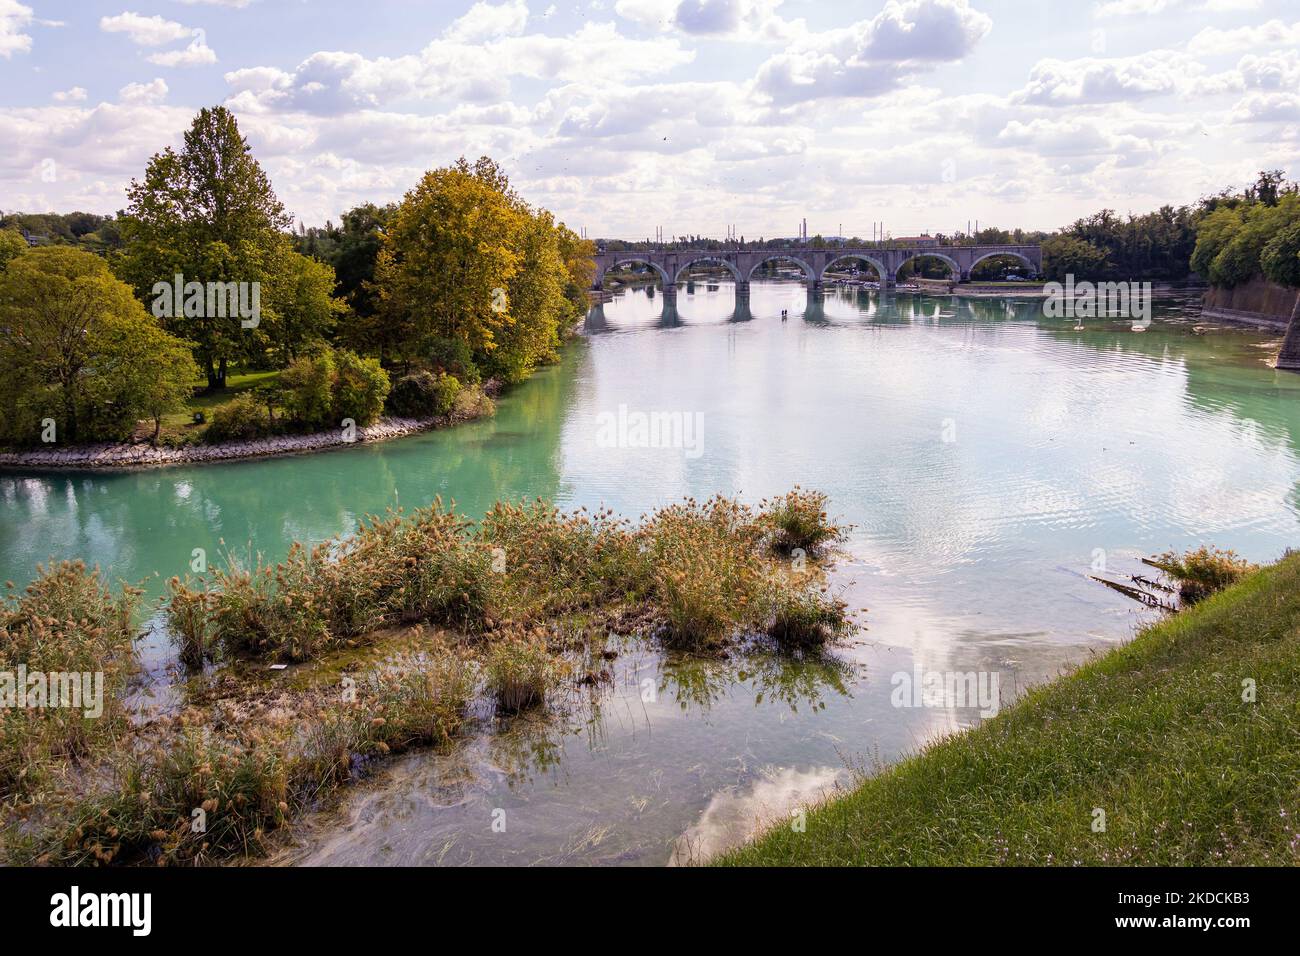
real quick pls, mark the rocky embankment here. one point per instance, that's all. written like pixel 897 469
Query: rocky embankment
pixel 127 455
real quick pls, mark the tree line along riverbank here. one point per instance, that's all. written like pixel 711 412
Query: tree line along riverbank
pixel 207 321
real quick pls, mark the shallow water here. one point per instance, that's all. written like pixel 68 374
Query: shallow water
pixel 989 459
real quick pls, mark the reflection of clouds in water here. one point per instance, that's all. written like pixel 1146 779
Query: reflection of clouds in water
pixel 731 818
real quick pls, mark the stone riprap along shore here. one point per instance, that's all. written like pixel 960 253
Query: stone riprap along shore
pixel 126 455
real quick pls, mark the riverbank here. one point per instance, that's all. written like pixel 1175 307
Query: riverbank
pixel 127 455
pixel 1178 748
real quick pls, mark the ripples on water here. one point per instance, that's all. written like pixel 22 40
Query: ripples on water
pixel 989 460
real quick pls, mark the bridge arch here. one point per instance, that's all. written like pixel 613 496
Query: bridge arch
pixel 629 260
pixel 809 272
pixel 875 263
pixel 922 253
pixel 1019 257
pixel 716 260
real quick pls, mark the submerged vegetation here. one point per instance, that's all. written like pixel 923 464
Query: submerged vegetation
pixel 1178 748
pixel 505 611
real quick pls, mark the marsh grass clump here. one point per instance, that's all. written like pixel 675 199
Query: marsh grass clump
pixel 1203 572
pixel 697 569
pixel 808 617
pixel 187 619
pixel 417 701
pixel 797 521
pixel 706 580
pixel 414 700
pixel 200 795
pixel 553 563
pixel 397 570
pixel 519 672
pixel 65 623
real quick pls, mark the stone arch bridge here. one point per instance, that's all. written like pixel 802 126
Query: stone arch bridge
pixel 672 264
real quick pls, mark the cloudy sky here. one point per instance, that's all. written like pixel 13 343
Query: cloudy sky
pixel 624 115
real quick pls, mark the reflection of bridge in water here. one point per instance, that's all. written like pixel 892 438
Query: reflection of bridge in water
pixel 904 309
pixel 672 264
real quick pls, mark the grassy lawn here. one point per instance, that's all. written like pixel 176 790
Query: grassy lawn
pixel 183 421
pixel 1155 733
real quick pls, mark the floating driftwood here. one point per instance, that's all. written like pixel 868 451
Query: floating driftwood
pixel 1148 583
pixel 1137 594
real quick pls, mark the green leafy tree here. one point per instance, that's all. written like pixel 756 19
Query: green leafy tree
pixel 537 302
pixel 1069 255
pixel 1280 259
pixel 579 266
pixel 148 371
pixel 1238 243
pixel 207 212
pixel 12 245
pixel 302 310
pixel 77 347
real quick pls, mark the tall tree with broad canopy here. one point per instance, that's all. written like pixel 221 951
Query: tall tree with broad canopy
pixel 208 213
pixel 467 268
pixel 81 350
pixel 447 257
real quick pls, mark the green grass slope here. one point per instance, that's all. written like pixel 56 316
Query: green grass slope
pixel 1155 733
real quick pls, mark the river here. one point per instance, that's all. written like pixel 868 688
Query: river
pixel 989 460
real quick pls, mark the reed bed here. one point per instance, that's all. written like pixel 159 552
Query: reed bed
pixel 703 572
pixel 521 604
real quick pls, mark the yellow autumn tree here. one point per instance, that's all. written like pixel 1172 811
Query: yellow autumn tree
pixel 445 266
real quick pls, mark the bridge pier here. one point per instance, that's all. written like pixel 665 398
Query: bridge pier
pixel 670 294
pixel 1288 357
pixel 742 291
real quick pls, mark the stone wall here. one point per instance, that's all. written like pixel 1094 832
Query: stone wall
pixel 1257 302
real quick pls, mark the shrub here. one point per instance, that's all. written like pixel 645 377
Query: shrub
pixel 455 357
pixel 1203 572
pixel 240 419
pixel 308 391
pixel 423 395
pixel 360 387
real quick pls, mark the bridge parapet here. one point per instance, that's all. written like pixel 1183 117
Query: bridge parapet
pixel 887 259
